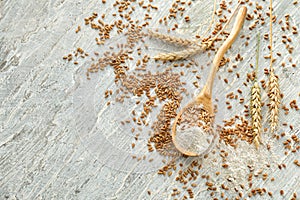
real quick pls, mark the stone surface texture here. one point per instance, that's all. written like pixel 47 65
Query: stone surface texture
pixel 59 140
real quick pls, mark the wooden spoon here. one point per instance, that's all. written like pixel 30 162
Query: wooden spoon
pixel 204 99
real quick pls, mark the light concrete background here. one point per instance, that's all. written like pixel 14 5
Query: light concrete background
pixel 58 140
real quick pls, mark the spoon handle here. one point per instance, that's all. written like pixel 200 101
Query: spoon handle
pixel 238 24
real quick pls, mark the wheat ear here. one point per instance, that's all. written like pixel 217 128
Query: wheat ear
pixel 171 39
pixel 178 55
pixel 273 85
pixel 255 103
pixel 256 113
pixel 274 95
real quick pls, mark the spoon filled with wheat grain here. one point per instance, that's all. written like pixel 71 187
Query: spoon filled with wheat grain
pixel 192 132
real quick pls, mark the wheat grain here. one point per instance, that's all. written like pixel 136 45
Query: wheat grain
pixel 171 39
pixel 274 95
pixel 255 110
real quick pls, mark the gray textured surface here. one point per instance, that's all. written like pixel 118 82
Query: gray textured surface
pixel 49 118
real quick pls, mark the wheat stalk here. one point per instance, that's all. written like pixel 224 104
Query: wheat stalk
pixel 273 85
pixel 171 39
pixel 255 103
